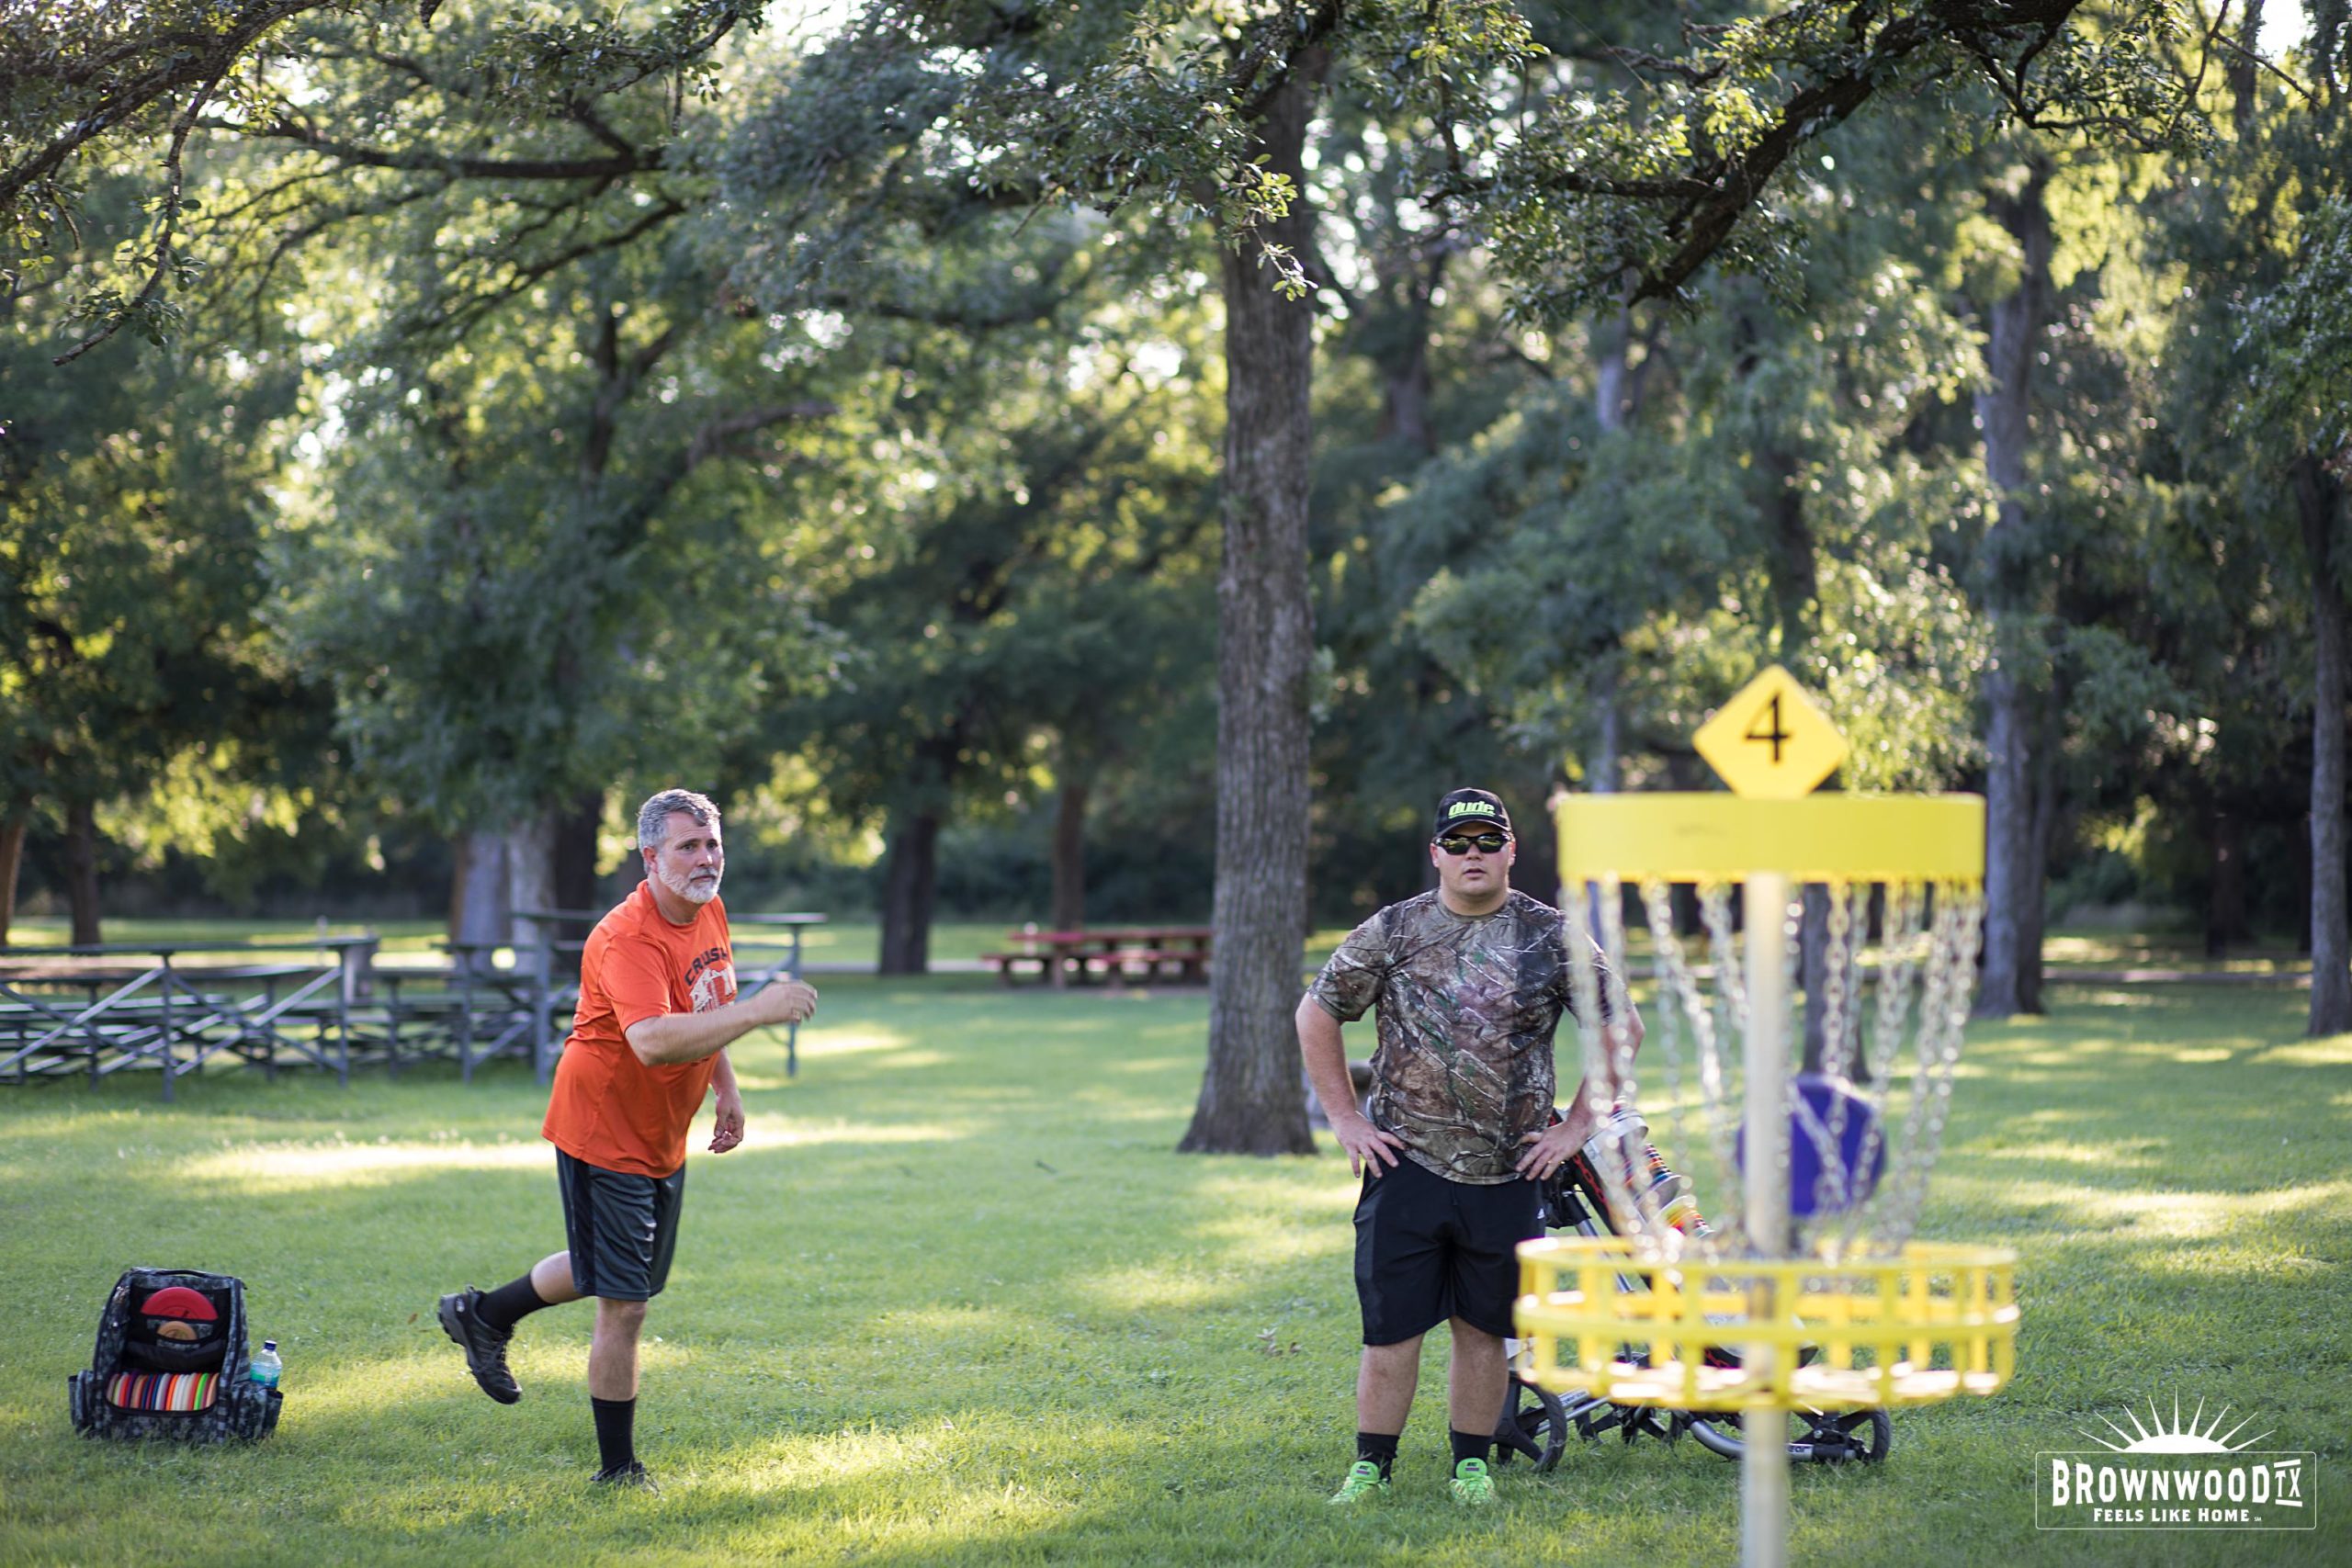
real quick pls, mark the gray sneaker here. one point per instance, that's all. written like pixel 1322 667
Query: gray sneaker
pixel 485 1346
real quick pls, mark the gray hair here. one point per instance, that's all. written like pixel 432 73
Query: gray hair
pixel 653 817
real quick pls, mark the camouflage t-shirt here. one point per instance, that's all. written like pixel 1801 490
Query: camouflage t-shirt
pixel 1467 1006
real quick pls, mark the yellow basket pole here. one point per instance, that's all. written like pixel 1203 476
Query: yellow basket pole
pixel 1764 1462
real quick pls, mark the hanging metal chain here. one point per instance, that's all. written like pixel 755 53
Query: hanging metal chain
pixel 1832 1187
pixel 1899 1050
pixel 1956 929
pixel 1900 953
pixel 1727 1017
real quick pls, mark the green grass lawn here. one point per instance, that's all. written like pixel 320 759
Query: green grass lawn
pixel 956 1302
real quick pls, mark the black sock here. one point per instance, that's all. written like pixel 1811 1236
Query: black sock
pixel 512 1301
pixel 1380 1447
pixel 616 1431
pixel 1469 1445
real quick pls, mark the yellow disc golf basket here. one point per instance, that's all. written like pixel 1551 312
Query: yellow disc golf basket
pixel 1852 953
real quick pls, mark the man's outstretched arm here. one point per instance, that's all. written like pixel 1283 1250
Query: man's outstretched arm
pixel 691 1037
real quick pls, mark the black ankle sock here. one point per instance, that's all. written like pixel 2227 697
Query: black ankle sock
pixel 1380 1447
pixel 512 1301
pixel 616 1431
pixel 1469 1445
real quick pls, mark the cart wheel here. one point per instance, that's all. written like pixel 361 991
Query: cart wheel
pixel 1536 1432
pixel 1815 1436
pixel 1842 1437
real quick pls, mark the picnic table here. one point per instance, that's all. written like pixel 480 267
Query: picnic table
pixel 101 1008
pixel 1109 953
pixel 98 1009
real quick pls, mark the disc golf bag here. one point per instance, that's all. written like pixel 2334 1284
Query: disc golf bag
pixel 172 1362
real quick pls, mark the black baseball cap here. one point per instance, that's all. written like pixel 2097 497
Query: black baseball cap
pixel 1470 808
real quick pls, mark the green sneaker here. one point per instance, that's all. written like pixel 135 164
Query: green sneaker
pixel 1473 1487
pixel 1364 1480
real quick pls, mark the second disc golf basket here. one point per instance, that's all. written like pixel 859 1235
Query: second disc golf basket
pixel 1814 1084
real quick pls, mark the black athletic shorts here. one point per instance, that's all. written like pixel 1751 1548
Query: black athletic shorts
pixel 622 1227
pixel 1429 1249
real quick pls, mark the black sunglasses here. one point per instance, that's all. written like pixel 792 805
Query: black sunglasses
pixel 1456 844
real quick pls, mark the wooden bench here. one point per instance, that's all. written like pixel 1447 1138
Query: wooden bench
pixel 1187 964
pixel 1007 964
pixel 1075 957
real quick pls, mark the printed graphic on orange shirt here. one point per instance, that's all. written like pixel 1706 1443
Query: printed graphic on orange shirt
pixel 710 981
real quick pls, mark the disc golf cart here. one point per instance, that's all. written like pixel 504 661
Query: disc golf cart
pixel 1536 1424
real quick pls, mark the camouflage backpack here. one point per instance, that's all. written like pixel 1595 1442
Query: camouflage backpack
pixel 172 1362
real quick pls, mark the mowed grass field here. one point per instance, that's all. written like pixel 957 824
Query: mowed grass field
pixel 956 1302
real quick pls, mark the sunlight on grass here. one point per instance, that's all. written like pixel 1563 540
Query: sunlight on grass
pixel 281 1167
pixel 816 1043
pixel 2179 1215
pixel 2111 998
pixel 2136 1156
pixel 2335 1051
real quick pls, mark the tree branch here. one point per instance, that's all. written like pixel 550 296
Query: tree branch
pixel 202 57
pixel 167 226
pixel 711 440
pixel 633 160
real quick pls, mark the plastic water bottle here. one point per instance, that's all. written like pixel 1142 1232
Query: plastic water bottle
pixel 266 1365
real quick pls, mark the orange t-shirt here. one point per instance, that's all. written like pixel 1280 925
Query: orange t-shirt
pixel 609 1109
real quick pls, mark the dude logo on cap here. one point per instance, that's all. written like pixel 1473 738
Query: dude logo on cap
pixel 1468 809
pixel 179 1313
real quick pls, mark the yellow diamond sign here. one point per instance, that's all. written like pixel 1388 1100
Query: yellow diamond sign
pixel 1770 743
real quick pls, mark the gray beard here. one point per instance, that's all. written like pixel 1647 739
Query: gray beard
pixel 688 890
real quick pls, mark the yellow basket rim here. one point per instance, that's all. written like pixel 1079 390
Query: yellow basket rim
pixel 1679 836
pixel 1563 1252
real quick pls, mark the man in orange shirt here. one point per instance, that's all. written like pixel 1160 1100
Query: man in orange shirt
pixel 658 1009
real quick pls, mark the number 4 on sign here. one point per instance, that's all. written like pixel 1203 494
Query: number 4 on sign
pixel 1770 743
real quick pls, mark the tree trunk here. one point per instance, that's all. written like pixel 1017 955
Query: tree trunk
pixel 574 873
pixel 1405 376
pixel 1795 575
pixel 479 910
pixel 82 870
pixel 1612 394
pixel 12 857
pixel 2033 913
pixel 1612 410
pixel 1812 972
pixel 2011 876
pixel 2225 918
pixel 1250 1097
pixel 1070 856
pixel 1599 774
pixel 2318 499
pixel 2242 72
pixel 1537 870
pixel 909 880
pixel 530 876
pixel 1600 771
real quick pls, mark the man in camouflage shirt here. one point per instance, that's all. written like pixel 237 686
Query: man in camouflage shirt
pixel 1470 981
